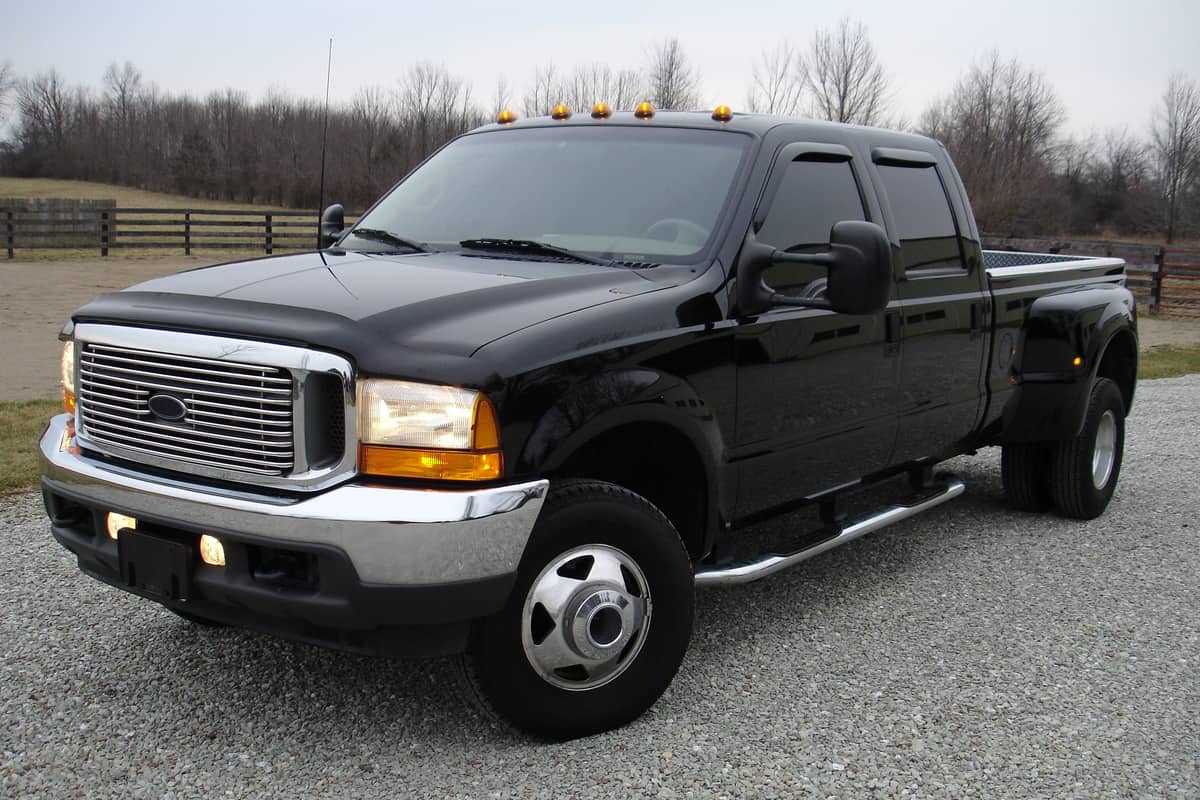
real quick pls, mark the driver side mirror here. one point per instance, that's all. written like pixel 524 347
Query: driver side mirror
pixel 333 221
pixel 859 262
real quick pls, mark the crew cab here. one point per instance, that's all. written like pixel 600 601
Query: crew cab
pixel 542 388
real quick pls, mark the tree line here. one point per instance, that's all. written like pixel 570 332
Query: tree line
pixel 1002 121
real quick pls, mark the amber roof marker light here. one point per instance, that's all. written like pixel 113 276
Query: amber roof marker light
pixel 506 117
pixel 601 111
pixel 560 112
pixel 644 110
pixel 722 113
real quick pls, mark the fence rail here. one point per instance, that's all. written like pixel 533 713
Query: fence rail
pixel 182 229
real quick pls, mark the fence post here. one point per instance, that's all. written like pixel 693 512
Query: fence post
pixel 269 244
pixel 104 233
pixel 1157 283
pixel 8 225
pixel 187 233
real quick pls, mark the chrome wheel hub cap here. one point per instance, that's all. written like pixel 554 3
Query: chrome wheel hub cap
pixel 1104 453
pixel 585 617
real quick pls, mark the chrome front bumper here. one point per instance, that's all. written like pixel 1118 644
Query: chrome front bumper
pixel 392 536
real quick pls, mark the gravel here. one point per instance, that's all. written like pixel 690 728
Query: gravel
pixel 971 652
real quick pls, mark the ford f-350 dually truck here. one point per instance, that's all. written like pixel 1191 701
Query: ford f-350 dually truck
pixel 534 396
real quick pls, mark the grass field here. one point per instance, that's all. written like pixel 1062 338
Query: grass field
pixel 22 423
pixel 33 188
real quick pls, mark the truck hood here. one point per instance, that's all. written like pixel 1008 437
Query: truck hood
pixel 391 314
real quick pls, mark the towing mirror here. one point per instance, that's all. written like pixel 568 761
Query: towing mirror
pixel 333 221
pixel 859 263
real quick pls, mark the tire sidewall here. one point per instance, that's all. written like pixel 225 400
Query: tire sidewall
pixel 622 520
pixel 1105 396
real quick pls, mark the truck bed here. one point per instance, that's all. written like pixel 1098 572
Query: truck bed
pixel 1002 264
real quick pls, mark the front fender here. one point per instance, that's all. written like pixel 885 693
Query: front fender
pixel 1061 347
pixel 612 399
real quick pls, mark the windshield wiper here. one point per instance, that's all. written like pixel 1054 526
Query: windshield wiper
pixel 529 247
pixel 387 237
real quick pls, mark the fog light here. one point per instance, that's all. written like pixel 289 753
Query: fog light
pixel 118 521
pixel 212 552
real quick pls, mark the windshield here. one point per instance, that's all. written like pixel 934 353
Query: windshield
pixel 623 193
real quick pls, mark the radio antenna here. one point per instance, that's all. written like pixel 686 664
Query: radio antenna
pixel 324 139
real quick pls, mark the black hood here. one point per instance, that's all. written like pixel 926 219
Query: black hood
pixel 396 315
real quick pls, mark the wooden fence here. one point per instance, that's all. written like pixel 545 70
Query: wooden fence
pixel 179 229
pixel 1180 294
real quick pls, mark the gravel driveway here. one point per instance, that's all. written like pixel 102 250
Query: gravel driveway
pixel 972 652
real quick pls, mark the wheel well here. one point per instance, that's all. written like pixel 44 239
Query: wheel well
pixel 658 463
pixel 1119 363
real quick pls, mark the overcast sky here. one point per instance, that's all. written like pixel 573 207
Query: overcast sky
pixel 1107 59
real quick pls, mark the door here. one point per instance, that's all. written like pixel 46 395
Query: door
pixel 815 388
pixel 945 307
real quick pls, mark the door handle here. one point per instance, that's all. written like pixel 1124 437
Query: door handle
pixel 978 313
pixel 891 327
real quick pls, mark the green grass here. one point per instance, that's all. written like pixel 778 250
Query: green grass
pixel 21 424
pixel 1169 361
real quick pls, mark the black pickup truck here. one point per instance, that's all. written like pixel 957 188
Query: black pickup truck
pixel 542 388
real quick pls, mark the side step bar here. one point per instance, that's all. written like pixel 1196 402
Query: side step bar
pixel 948 488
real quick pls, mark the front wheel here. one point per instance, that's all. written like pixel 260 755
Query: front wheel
pixel 598 622
pixel 1084 470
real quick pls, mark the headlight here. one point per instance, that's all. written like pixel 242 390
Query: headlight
pixel 419 430
pixel 67 375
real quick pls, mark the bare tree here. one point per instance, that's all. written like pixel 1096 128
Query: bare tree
pixel 843 77
pixel 671 79
pixel 7 81
pixel 999 123
pixel 433 106
pixel 501 98
pixel 545 91
pixel 778 85
pixel 44 103
pixel 589 84
pixel 1175 133
pixel 122 90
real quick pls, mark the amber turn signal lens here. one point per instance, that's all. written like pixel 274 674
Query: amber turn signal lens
pixel 1078 361
pixel 601 111
pixel 438 465
pixel 644 110
pixel 506 117
pixel 722 113
pixel 561 112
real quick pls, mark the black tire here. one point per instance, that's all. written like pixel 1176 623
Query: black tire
pixel 613 524
pixel 1081 487
pixel 1025 471
pixel 192 618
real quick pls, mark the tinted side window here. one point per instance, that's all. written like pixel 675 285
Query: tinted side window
pixel 928 235
pixel 812 197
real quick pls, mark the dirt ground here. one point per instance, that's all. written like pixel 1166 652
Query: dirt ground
pixel 36 297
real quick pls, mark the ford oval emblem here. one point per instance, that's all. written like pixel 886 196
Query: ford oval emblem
pixel 165 406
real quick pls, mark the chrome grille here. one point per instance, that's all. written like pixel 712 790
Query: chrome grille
pixel 235 416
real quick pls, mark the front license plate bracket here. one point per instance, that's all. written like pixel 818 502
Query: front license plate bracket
pixel 154 567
